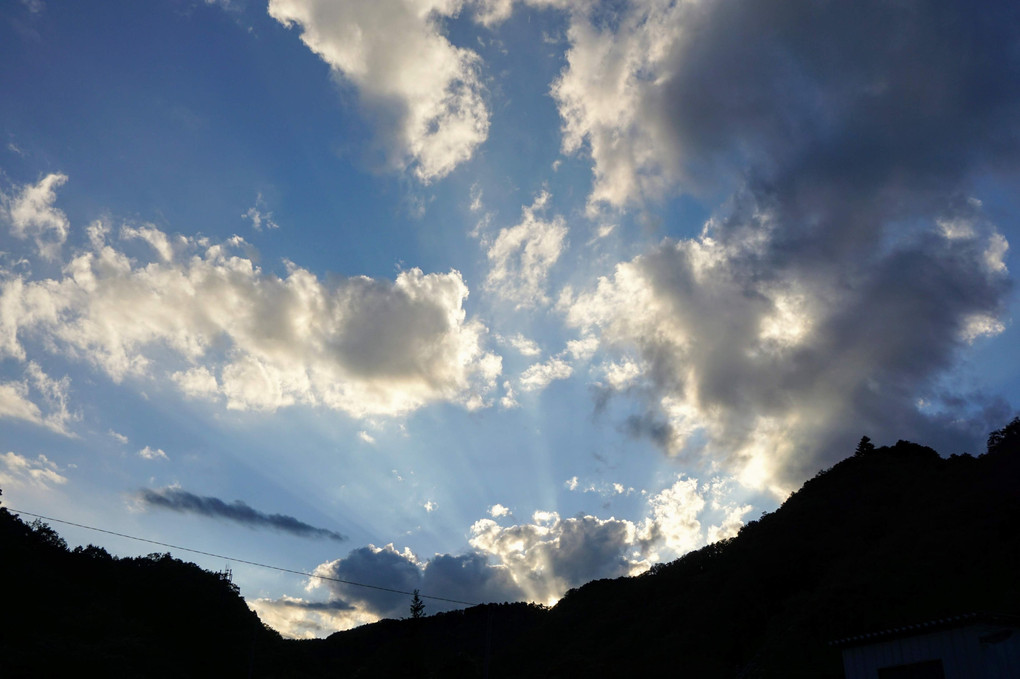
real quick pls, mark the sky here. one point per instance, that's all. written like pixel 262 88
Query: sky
pixel 489 298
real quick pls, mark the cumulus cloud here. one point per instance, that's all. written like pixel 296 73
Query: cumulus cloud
pixel 424 93
pixel 523 345
pixel 536 561
pixel 18 470
pixel 466 577
pixel 204 315
pixel 16 400
pixel 382 567
pixel 30 214
pixel 237 511
pixel 469 577
pixel 551 554
pixel 386 578
pixel 149 234
pixel 777 374
pixel 850 265
pixel 148 453
pixel 297 618
pixel 605 96
pixel 521 256
pixel 538 376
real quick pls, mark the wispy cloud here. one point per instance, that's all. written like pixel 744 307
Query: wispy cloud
pixel 521 256
pixel 17 402
pixel 260 217
pixel 182 501
pixel 19 470
pixel 30 214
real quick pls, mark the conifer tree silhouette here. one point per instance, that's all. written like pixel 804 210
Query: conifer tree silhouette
pixel 417 606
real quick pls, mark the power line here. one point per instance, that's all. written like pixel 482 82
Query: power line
pixel 250 563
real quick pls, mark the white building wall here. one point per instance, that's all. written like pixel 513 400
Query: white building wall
pixel 963 654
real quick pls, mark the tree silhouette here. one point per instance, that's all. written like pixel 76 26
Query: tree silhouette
pixel 1000 439
pixel 417 606
pixel 864 447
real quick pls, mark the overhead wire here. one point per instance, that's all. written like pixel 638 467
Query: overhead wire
pixel 245 561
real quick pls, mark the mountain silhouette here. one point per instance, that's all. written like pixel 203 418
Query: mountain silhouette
pixel 889 536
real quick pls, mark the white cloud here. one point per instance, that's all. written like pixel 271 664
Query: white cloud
pixel 259 216
pixel 196 382
pixel 582 349
pixel 536 561
pixel 18 470
pixel 31 214
pixel 521 256
pixel 523 345
pixel 619 375
pixel 14 403
pixel 119 437
pixel 509 399
pixel 297 618
pixel 425 93
pixel 551 554
pixel 430 506
pixel 539 375
pixel 366 437
pixel 603 488
pixel 255 340
pixel 148 453
pixel 674 516
pixel 156 239
pixel 731 523
pixel 492 12
pixel 16 400
pixel 607 95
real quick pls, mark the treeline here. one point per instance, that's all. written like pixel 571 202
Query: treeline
pixel 83 612
pixel 889 536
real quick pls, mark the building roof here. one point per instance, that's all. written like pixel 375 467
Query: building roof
pixel 928 626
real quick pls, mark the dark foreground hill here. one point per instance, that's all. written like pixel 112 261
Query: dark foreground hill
pixel 890 536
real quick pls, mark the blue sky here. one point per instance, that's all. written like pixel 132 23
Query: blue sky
pixel 489 297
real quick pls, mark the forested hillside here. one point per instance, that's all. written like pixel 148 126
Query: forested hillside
pixel 889 536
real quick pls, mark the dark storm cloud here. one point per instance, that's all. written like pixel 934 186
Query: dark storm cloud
pixel 380 567
pixel 469 577
pixel 872 95
pixel 237 511
pixel 854 136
